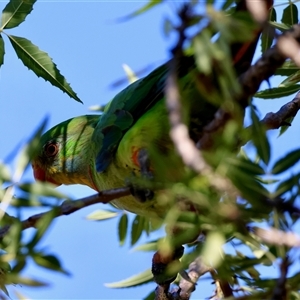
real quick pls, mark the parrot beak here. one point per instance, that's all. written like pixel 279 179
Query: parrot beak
pixel 40 174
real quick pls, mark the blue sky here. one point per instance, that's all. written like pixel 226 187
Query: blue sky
pixel 89 47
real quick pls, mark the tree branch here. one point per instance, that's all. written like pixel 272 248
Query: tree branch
pixel 69 207
pixel 250 82
pixel 196 269
pixel 278 119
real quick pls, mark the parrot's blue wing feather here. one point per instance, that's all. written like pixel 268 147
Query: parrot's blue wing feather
pixel 127 107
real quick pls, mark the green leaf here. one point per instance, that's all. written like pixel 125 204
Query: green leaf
pixel 16 279
pixel 41 189
pixel 135 280
pixel 100 215
pixel 137 229
pixel 2 51
pixel 123 228
pixel 150 246
pixel 203 51
pixel 280 26
pixel 246 165
pixel 143 9
pixel 268 33
pixel 278 92
pixel 4 172
pixel 212 253
pixel 41 64
pixel 286 162
pixel 287 69
pixel 150 296
pixel 284 128
pixel 29 150
pixel 48 261
pixel 286 185
pixel 259 138
pixel 291 80
pixel 290 15
pixel 15 13
pixel 42 225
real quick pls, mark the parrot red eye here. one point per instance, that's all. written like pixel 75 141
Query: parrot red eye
pixel 51 149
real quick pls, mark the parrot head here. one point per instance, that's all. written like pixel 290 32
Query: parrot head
pixel 64 154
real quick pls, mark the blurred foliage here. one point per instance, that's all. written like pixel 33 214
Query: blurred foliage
pixel 268 192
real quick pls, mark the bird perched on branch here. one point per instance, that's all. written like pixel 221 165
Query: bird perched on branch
pixel 131 136
pixel 101 151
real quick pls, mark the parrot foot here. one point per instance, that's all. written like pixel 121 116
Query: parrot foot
pixel 160 264
pixel 144 163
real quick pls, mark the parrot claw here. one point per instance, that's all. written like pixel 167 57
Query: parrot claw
pixel 160 264
pixel 141 195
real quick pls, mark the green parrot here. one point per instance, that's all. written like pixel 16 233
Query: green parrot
pixel 101 151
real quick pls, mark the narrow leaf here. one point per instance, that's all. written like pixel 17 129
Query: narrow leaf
pixel 284 128
pixel 291 80
pixel 15 13
pixel 49 262
pixel 2 50
pixel 150 296
pixel 131 76
pixel 287 69
pixel 268 33
pixel 41 64
pixel 290 15
pixel 143 9
pixel 280 26
pixel 246 165
pixel 286 185
pixel 278 92
pixel 123 228
pixel 99 215
pixel 42 225
pixel 259 138
pixel 42 189
pixel 286 162
pixel 16 279
pixel 150 246
pixel 135 280
pixel 137 229
pixel 212 251
pixel 29 150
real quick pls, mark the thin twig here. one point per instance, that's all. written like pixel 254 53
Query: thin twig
pixel 277 237
pixel 68 207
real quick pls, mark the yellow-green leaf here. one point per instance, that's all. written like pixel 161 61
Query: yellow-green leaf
pixel 100 215
pixel 135 280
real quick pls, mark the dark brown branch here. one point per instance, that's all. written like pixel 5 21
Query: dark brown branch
pixel 278 119
pixel 69 207
pixel 280 291
pixel 250 82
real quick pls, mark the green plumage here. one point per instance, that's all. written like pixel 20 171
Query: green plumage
pixel 99 151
